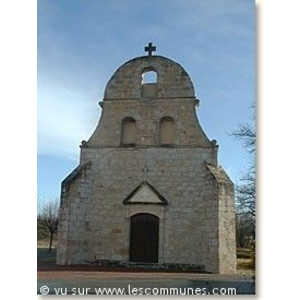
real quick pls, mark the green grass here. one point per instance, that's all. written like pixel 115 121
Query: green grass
pixel 244 260
pixel 243 253
pixel 43 255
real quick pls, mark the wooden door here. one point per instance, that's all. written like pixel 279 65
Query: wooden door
pixel 144 238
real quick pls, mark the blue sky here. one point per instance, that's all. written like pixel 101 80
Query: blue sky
pixel 82 42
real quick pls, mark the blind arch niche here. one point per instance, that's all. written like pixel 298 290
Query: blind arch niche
pixel 167 131
pixel 128 135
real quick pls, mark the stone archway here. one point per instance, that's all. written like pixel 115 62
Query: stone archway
pixel 144 237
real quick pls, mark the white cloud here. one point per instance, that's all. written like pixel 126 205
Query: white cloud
pixel 65 118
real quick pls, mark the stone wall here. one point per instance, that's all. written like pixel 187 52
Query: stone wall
pixel 226 219
pixel 197 221
pixel 101 223
pixel 148 114
pixel 172 79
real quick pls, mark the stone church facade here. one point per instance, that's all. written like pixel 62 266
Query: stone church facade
pixel 148 187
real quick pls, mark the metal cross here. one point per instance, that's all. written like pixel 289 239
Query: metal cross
pixel 150 48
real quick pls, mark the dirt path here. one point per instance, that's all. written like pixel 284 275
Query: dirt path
pixel 52 271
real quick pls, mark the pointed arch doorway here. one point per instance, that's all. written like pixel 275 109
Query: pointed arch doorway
pixel 144 237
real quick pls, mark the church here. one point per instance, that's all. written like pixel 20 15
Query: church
pixel 148 187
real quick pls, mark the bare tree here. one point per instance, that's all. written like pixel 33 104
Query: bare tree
pixel 47 220
pixel 246 189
